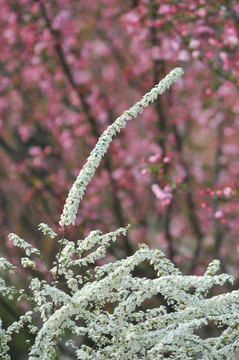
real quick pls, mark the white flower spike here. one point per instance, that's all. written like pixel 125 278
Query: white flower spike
pixel 77 191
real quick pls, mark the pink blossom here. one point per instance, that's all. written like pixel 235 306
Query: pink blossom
pixel 229 131
pixel 47 150
pixel 208 91
pixel 202 12
pixel 166 159
pixel 35 151
pixel 218 214
pixel 164 195
pixel 227 191
pixel 156 53
pixel 154 158
pixel 194 44
pixel 203 30
pixel 167 9
pixel 162 240
pixel 196 54
pixel 184 55
pixel 230 149
pixel 212 41
pixel 145 171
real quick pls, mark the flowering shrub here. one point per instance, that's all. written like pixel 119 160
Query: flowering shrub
pixel 97 311
pixel 63 66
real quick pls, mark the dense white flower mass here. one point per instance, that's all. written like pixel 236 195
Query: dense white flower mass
pixel 104 304
pixel 4 264
pixel 17 241
pixel 47 230
pixel 77 191
pixel 105 307
pixel 98 309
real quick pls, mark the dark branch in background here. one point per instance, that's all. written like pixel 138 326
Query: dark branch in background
pixel 216 172
pixel 192 214
pixel 118 211
pixel 167 220
pixel 134 3
pixel 158 71
pixel 17 156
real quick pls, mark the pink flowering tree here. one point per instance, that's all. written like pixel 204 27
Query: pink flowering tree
pixel 86 308
pixel 68 69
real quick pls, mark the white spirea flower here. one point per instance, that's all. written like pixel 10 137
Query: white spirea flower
pixel 27 263
pixel 128 333
pixel 9 291
pixel 77 191
pixel 4 264
pixel 47 230
pixel 17 241
pixel 4 338
pixel 107 300
pixel 18 325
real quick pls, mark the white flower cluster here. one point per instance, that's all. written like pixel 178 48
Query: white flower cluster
pixel 17 241
pixel 70 250
pixel 5 264
pixel 107 309
pixel 26 262
pixel 4 339
pixel 104 304
pixel 77 191
pixel 47 230
pixel 18 325
pixel 9 291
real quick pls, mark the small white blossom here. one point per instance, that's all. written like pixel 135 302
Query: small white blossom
pixel 17 241
pixel 26 262
pixel 4 339
pixel 18 325
pixel 47 230
pixel 149 334
pixel 4 264
pixel 9 291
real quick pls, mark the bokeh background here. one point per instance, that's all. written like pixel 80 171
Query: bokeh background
pixel 68 69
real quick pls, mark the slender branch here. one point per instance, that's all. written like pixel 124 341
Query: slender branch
pixel 93 347
pixel 216 171
pixel 58 263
